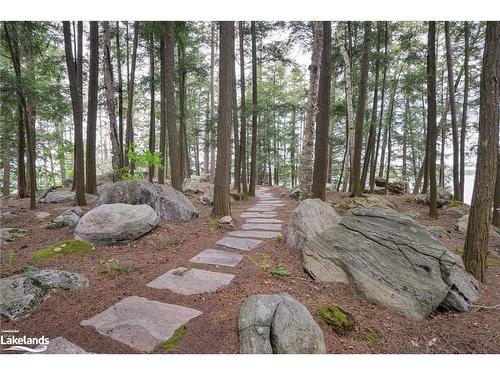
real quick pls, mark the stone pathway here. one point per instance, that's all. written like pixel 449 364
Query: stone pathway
pixel 144 324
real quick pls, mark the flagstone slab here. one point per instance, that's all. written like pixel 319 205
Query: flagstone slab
pixel 187 281
pixel 239 243
pixel 264 220
pixel 258 214
pixel 217 257
pixel 141 323
pixel 272 205
pixel 60 345
pixel 254 234
pixel 260 209
pixel 261 226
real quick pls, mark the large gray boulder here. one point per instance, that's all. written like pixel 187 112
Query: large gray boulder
pixel 278 324
pixel 207 198
pixel 58 196
pixel 443 197
pixel 392 261
pixel 68 218
pixel 462 224
pixel 21 294
pixel 311 217
pixel 112 223
pixel 168 203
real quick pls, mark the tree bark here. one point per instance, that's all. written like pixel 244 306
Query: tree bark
pixel 320 172
pixel 373 166
pixel 404 171
pixel 116 148
pixel 306 161
pixel 463 132
pixel 152 125
pixel 120 85
pixel 431 116
pixel 91 178
pixel 74 65
pixel 357 187
pixel 129 136
pixel 173 140
pixel 226 71
pixel 454 129
pixel 212 102
pixel 163 114
pixel 496 201
pixel 6 167
pixel 478 228
pixel 243 120
pixel 253 161
pixel 236 134
pixel 183 144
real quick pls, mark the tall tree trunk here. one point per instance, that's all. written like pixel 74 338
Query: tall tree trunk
pixel 463 132
pixel 116 148
pixel 120 85
pixel 496 201
pixel 173 140
pixel 320 172
pixel 236 135
pixel 404 171
pixel 412 145
pixel 152 125
pixel 454 128
pixel 12 42
pixel 373 166
pixel 91 178
pixel 253 161
pixel 74 65
pixel 129 136
pixel 350 131
pixel 183 147
pixel 163 114
pixel 357 187
pixel 243 120
pixel 206 141
pixel 306 160
pixel 222 205
pixel 431 117
pixel 293 145
pixel 212 102
pixel 6 167
pixel 476 239
pixel 370 146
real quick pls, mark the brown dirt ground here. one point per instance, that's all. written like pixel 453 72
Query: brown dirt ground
pixel 171 245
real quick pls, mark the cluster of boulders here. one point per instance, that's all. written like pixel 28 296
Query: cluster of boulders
pixel 444 197
pixel 278 324
pixel 387 257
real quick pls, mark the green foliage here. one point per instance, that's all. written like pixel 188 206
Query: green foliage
pixel 69 247
pixel 372 335
pixel 213 223
pixel 341 321
pixel 113 267
pixel 141 160
pixel 279 271
pixel 175 339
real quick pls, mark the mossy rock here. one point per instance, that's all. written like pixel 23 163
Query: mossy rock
pixel 69 247
pixel 372 335
pixel 341 321
pixel 174 340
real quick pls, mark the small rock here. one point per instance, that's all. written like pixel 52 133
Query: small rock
pixel 226 220
pixel 11 234
pixel 42 215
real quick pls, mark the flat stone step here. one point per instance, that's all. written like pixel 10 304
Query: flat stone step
pixel 264 220
pixel 258 214
pixel 269 205
pixel 60 345
pixel 260 209
pixel 261 226
pixel 187 281
pixel 141 323
pixel 217 257
pixel 239 243
pixel 254 234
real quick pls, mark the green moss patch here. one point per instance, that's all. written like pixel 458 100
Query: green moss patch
pixel 279 271
pixel 372 335
pixel 70 247
pixel 174 340
pixel 341 321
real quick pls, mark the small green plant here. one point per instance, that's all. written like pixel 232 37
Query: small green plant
pixel 263 263
pixel 198 266
pixel 341 321
pixel 279 271
pixel 174 340
pixel 10 257
pixel 141 160
pixel 372 335
pixel 214 223
pixel 113 267
pixel 70 247
pixel 279 237
pixel 27 267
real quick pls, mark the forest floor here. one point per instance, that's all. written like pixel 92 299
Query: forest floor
pixel 172 245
